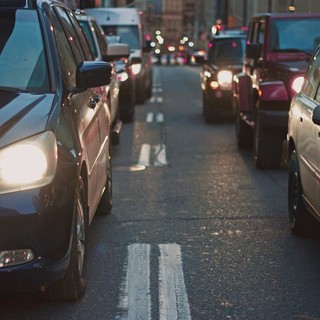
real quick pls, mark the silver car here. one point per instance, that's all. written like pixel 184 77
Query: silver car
pixel 304 153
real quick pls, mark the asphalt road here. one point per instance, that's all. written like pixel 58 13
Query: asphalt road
pixel 197 232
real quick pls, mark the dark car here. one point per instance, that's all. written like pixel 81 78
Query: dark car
pixel 224 58
pixel 278 49
pixel 304 154
pixel 54 148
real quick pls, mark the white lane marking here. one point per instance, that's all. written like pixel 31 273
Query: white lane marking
pixel 149 117
pixel 159 117
pixel 159 99
pixel 135 299
pixel 173 300
pixel 152 99
pixel 144 157
pixel 160 155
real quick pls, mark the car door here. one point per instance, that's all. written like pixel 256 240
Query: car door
pixel 89 106
pixel 308 133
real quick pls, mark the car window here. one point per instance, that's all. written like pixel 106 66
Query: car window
pixel 23 62
pixel 87 31
pixel 127 34
pixel 81 37
pixel 227 51
pixel 72 37
pixel 67 59
pixel 100 37
pixel 298 34
pixel 312 75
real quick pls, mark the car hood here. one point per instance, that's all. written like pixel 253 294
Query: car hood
pixel 298 66
pixel 23 115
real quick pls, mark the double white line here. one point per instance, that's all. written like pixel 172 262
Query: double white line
pixel 155 155
pixel 135 299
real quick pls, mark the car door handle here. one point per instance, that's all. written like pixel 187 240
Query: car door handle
pixel 301 119
pixel 93 101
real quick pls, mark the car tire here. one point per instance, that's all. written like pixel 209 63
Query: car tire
pixel 73 283
pixel 267 146
pixel 244 133
pixel 301 221
pixel 105 204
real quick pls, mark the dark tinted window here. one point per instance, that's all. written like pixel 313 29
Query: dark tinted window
pixel 226 51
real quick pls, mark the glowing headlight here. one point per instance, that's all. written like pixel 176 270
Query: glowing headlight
pixel 136 68
pixel 225 78
pixel 297 84
pixel 123 76
pixel 28 164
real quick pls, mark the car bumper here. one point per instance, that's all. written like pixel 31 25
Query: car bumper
pixel 220 101
pixel 39 220
pixel 274 119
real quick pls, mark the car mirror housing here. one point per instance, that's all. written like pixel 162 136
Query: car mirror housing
pixel 253 51
pixel 92 74
pixel 316 115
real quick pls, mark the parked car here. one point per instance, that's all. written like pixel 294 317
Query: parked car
pixel 54 148
pixel 304 153
pixel 127 94
pixel 223 59
pixel 278 49
pixel 103 51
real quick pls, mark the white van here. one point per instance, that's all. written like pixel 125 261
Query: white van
pixel 125 24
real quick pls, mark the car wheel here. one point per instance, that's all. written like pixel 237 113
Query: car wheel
pixel 73 284
pixel 244 133
pixel 105 204
pixel 267 146
pixel 301 222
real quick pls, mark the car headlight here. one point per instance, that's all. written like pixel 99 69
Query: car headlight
pixel 297 84
pixel 225 78
pixel 122 76
pixel 28 164
pixel 136 68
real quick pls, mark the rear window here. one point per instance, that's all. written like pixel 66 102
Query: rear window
pixel 125 33
pixel 226 51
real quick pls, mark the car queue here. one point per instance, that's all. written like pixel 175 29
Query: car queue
pixel 65 87
pixel 275 99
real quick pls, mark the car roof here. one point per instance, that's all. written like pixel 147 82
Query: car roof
pixel 287 15
pixel 30 4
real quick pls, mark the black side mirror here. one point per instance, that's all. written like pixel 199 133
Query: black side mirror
pixel 253 50
pixel 316 116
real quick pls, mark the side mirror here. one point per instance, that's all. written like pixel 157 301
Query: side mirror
pixel 253 51
pixel 91 74
pixel 117 51
pixel 316 116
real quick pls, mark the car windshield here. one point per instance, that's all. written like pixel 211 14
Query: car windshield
pixel 295 35
pixel 125 33
pixel 22 57
pixel 229 50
